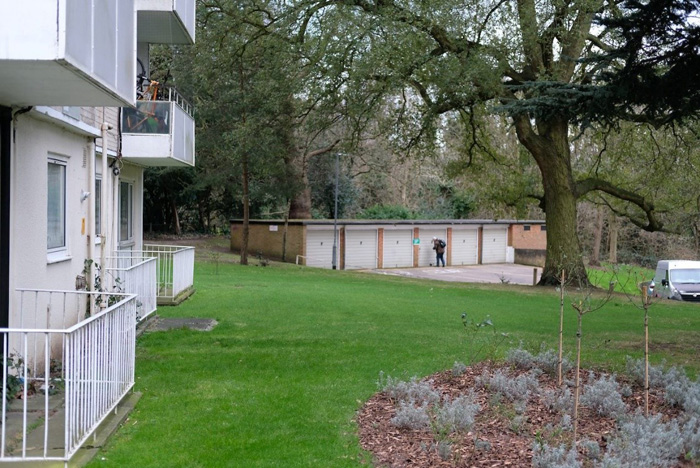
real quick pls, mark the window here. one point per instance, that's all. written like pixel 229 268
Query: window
pixel 56 213
pixel 72 111
pixel 126 224
pixel 98 207
pixel 543 228
pixel 526 227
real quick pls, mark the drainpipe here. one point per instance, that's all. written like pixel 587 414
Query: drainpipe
pixel 104 209
pixel 90 273
pixel 5 157
pixel 115 213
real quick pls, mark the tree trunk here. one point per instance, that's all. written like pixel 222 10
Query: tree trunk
pixel 614 228
pixel 284 234
pixel 598 236
pixel 176 217
pixel 300 207
pixel 246 211
pixel 550 149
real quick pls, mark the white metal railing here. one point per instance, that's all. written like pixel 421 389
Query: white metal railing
pixel 135 275
pixel 175 268
pixel 69 378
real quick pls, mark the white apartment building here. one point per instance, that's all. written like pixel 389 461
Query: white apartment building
pixel 79 123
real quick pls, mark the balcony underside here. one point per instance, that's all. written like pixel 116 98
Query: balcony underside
pixel 54 83
pixel 162 27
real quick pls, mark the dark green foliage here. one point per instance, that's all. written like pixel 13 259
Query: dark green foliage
pixel 649 71
pixel 660 52
pixel 322 179
pixel 387 212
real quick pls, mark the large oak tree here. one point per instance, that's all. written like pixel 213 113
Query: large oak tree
pixel 522 57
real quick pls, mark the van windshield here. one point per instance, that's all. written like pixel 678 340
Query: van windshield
pixel 685 275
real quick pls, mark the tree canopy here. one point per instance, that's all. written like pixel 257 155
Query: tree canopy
pixel 282 83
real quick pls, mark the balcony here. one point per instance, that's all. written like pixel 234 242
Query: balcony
pixel 159 132
pixel 63 380
pixel 166 21
pixel 175 271
pixel 67 53
pixel 135 275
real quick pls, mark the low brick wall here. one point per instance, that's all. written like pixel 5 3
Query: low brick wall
pixel 534 257
pixel 267 238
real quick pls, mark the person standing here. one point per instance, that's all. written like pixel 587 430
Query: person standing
pixel 439 248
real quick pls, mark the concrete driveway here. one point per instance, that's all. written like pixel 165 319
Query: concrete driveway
pixel 496 273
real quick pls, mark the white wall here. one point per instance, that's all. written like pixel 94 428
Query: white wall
pixel 30 265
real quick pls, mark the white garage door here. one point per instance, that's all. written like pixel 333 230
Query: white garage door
pixel 398 248
pixel 494 245
pixel 360 249
pixel 465 246
pixel 319 248
pixel 426 254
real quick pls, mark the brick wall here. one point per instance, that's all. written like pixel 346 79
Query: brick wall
pixel 268 239
pixel 528 236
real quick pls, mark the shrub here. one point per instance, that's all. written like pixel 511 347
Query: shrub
pixel 592 449
pixel 520 358
pixel 457 414
pixel 560 400
pixel 444 449
pixel 546 360
pixel 645 441
pixel 603 396
pixel 410 416
pixel 566 424
pixel 691 438
pixel 458 368
pixel 544 456
pixel 635 369
pixel 414 390
pixel 516 389
pixel 387 212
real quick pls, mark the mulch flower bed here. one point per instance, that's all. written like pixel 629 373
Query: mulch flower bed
pixel 494 440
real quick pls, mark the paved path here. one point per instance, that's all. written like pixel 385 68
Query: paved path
pixel 497 273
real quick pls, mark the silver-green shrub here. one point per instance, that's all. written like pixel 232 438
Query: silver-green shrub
pixel 444 449
pixel 546 360
pixel 645 441
pixel 566 423
pixel 603 396
pixel 457 414
pixel 458 368
pixel 520 358
pixel 411 416
pixel 516 389
pixel 691 438
pixel 592 449
pixel 546 456
pixel 635 369
pixel 560 400
pixel 413 390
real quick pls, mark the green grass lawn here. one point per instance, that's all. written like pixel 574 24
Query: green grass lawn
pixel 298 350
pixel 625 277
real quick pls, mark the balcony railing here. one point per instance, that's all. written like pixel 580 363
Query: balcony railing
pixel 68 371
pixel 135 275
pixel 175 270
pixel 159 132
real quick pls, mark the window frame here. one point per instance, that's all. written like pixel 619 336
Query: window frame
pixel 98 208
pixel 129 239
pixel 57 253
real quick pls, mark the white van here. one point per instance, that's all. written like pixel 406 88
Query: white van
pixel 677 279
